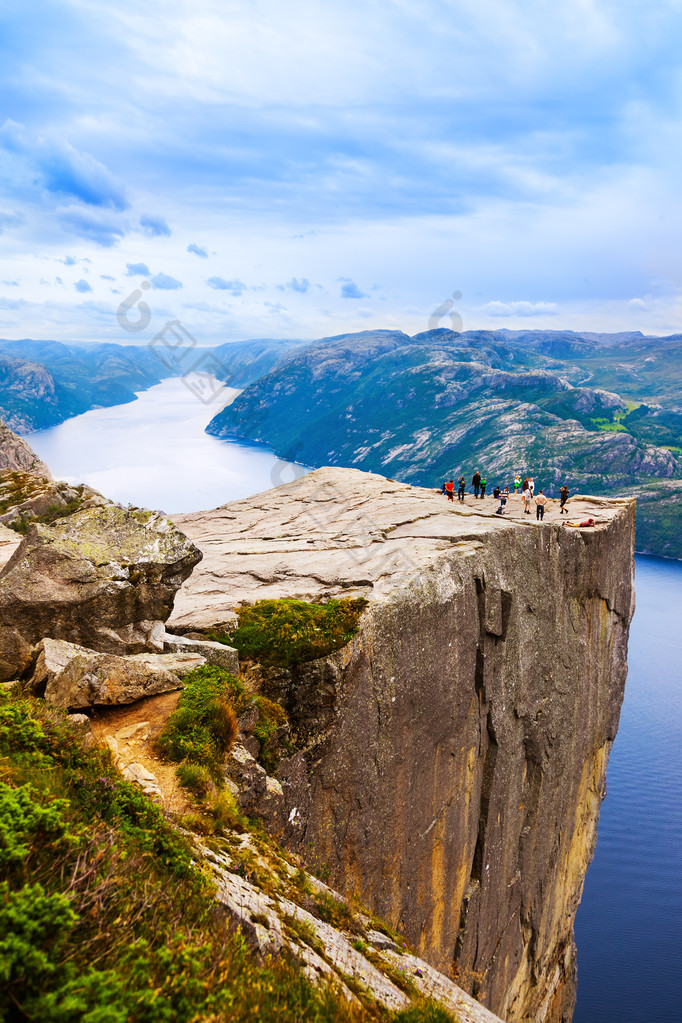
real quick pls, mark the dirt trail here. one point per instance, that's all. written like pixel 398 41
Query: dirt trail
pixel 131 732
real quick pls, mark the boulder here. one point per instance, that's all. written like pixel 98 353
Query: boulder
pixel 72 676
pixel 25 497
pixel 215 653
pixel 255 791
pixel 104 577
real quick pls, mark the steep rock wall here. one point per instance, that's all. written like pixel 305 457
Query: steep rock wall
pixel 15 453
pixel 454 753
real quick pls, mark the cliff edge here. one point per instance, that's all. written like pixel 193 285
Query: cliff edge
pixel 452 756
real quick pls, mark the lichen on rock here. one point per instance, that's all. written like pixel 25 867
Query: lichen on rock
pixel 103 577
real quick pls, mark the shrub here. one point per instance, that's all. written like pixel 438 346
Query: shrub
pixel 204 726
pixel 287 632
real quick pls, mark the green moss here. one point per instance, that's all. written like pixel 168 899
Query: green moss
pixel 287 632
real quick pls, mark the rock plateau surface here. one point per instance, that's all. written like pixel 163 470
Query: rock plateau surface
pixel 452 756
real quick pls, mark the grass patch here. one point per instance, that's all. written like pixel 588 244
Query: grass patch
pixel 305 932
pixel 196 778
pixel 282 633
pixel 337 913
pixel 225 812
pixel 203 727
pixel 425 1012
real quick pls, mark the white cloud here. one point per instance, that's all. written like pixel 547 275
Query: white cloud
pixel 520 308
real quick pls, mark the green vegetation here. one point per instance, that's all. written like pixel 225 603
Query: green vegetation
pixel 204 726
pixel 194 777
pixel 224 811
pixel 305 932
pixel 53 512
pixel 424 1012
pixel 104 918
pixel 286 632
pixel 336 913
pixel 610 425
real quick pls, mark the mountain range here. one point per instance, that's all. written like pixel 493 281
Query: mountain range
pixel 42 383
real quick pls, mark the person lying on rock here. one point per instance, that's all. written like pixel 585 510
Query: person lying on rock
pixel 580 525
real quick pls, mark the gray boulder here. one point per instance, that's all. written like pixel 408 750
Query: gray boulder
pixel 72 676
pixel 103 578
pixel 215 653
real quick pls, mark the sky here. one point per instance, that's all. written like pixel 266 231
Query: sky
pixel 305 169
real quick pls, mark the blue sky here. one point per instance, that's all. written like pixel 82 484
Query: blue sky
pixel 302 169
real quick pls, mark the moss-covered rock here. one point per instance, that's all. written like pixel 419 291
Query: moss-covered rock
pixel 101 577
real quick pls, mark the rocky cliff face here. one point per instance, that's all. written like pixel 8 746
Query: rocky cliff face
pixel 452 755
pixel 15 454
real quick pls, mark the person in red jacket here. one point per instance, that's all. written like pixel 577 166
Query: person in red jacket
pixel 450 490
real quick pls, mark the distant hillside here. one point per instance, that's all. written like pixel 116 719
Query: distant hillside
pixel 45 382
pixel 602 413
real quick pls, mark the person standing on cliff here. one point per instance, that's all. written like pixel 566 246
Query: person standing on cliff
pixel 540 502
pixel 450 490
pixel 526 500
pixel 531 486
pixel 476 482
pixel 517 484
pixel 564 492
pixel 484 484
pixel 462 484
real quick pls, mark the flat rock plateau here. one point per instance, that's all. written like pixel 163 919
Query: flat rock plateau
pixel 452 755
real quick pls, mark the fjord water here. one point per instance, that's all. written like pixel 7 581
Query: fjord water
pixel 629 924
pixel 154 452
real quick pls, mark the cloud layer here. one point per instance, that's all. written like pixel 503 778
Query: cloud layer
pixel 350 175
